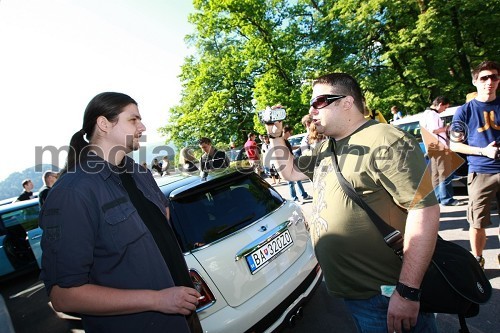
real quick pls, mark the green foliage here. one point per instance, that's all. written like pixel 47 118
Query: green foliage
pixel 256 53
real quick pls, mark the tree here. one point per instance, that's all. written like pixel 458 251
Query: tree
pixel 255 53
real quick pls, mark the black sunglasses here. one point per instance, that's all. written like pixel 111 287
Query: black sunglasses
pixel 321 101
pixel 493 77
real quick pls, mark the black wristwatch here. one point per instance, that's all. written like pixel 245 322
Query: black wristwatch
pixel 409 293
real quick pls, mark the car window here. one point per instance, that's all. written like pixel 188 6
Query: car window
pixel 206 217
pixel 295 141
pixel 26 217
pixel 413 129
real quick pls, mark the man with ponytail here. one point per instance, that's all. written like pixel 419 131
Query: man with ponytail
pixel 109 252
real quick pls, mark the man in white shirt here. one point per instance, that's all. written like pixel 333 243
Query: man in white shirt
pixel 438 152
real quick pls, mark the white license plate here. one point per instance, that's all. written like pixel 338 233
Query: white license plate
pixel 268 251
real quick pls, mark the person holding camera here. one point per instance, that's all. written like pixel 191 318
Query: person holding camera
pixel 386 166
pixel 476 133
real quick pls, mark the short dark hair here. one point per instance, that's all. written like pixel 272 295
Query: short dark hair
pixel 440 100
pixel 287 128
pixel 250 135
pixel 343 84
pixel 26 181
pixel 484 66
pixel 204 141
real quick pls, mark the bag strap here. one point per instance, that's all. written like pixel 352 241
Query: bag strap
pixel 392 237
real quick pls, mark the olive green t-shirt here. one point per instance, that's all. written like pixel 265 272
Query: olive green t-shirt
pixel 387 168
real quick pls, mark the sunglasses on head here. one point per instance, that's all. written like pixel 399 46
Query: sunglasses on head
pixel 321 101
pixel 493 77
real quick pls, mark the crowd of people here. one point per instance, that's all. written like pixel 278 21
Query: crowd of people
pixel 106 282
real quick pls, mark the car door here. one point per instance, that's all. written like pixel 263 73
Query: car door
pixel 18 225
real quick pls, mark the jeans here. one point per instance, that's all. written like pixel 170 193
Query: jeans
pixel 293 194
pixel 370 316
pixel 441 167
pixel 444 191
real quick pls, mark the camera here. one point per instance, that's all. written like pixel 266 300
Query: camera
pixel 270 116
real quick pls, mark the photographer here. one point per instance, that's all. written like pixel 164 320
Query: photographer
pixel 357 265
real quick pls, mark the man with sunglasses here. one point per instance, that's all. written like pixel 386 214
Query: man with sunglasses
pixel 387 168
pixel 476 133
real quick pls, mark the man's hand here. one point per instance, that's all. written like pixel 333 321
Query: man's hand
pixel 402 313
pixel 182 300
pixel 275 129
pixel 490 150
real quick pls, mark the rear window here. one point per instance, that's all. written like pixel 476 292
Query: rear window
pixel 206 217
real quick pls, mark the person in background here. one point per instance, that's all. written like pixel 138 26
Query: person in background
pixel 375 115
pixel 145 165
pixel 475 131
pixel 304 143
pixel 315 137
pixel 49 178
pixel 187 160
pixel 109 252
pixel 264 149
pixel 253 153
pixel 211 158
pixel 267 162
pixel 27 190
pixel 164 166
pixel 381 291
pixel 288 132
pixel 155 167
pixel 396 114
pixel 438 151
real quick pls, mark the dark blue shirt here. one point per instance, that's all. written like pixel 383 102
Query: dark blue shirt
pixel 480 122
pixel 92 233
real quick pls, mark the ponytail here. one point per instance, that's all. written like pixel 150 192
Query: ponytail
pixel 76 145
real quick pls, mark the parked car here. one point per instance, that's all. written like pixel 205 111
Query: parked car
pixel 248 250
pixel 411 124
pixel 19 237
pixel 295 140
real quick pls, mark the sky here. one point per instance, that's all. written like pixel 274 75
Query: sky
pixel 55 55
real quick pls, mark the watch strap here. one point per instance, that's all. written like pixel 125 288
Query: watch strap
pixel 409 293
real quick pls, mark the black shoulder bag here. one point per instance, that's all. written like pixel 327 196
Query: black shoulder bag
pixel 454 282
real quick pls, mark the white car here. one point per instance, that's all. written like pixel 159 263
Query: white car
pixel 248 250
pixel 295 141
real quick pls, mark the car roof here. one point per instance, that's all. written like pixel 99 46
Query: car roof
pixel 18 205
pixel 179 186
pixel 416 117
pixel 296 136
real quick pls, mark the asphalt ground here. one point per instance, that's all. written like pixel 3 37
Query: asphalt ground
pixel 327 314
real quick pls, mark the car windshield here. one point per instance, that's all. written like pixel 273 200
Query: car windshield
pixel 413 129
pixel 206 217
